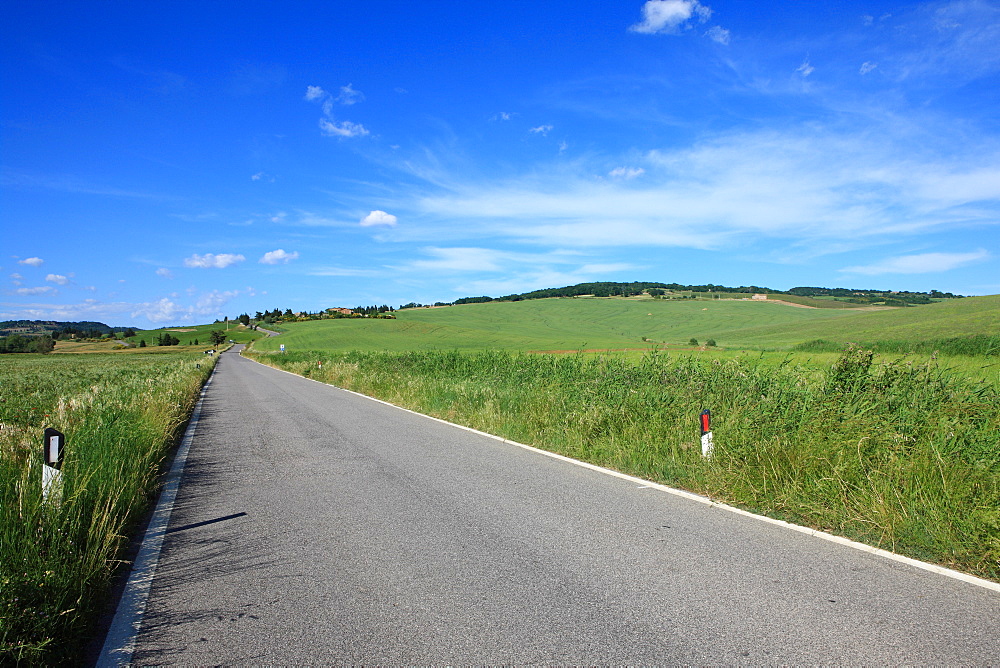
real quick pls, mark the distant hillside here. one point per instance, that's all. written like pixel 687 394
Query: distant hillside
pixel 87 328
pixel 967 317
pixel 856 296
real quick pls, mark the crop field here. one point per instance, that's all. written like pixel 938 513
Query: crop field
pixel 560 325
pixel 120 414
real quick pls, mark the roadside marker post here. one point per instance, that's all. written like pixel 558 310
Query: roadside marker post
pixel 53 444
pixel 282 347
pixel 706 434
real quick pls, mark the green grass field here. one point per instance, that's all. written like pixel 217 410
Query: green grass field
pixel 614 323
pixel 200 333
pixel 553 324
pixel 121 415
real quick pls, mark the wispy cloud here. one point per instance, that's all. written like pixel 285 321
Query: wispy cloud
pixel 541 130
pixel 34 291
pixel 164 272
pixel 328 124
pixel 349 96
pixel 58 279
pixel 210 260
pixel 32 261
pixel 718 34
pixel 921 263
pixel 626 172
pixel 726 191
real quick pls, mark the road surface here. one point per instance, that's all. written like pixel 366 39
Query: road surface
pixel 314 526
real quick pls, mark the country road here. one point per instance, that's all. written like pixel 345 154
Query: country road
pixel 314 526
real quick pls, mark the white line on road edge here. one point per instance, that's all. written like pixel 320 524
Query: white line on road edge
pixel 119 643
pixel 923 565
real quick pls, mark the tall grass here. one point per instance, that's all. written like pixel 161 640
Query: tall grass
pixel 897 454
pixel 120 415
pixel 976 345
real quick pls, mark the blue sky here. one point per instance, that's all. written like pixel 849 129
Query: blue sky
pixel 172 163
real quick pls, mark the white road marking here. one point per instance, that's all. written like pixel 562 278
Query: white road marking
pixel 119 644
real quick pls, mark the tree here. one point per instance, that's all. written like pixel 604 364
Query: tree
pixel 44 344
pixel 693 341
pixel 218 337
pixel 142 343
pixel 244 319
pixel 710 343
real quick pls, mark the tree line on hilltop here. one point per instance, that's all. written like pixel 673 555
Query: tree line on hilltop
pixel 611 289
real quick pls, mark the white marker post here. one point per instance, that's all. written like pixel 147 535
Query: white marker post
pixel 282 347
pixel 706 434
pixel 52 453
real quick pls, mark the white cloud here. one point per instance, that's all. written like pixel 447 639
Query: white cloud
pixel 166 310
pixel 805 68
pixel 328 124
pixel 626 173
pixel 164 272
pixel 378 218
pixel 668 16
pixel 922 263
pixel 349 96
pixel 210 260
pixel 867 67
pixel 58 279
pixel 34 291
pixel 461 259
pixel 541 130
pixel 278 257
pixel 718 34
pixel 342 129
pixel 737 189
pixel 314 93
pixel 502 116
pixel 32 261
pixel 257 177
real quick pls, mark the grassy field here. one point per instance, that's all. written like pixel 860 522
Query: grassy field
pixel 952 318
pixel 560 324
pixel 200 333
pixel 120 414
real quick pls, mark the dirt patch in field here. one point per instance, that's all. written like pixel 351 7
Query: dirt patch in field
pixel 188 329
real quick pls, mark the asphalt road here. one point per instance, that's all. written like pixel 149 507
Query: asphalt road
pixel 314 526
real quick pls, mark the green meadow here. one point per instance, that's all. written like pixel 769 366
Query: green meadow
pixel 573 324
pixel 559 324
pixel 200 333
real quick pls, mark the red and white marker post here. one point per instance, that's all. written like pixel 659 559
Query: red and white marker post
pixel 706 434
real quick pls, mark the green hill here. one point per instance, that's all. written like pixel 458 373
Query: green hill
pixel 616 323
pixel 554 324
pixel 970 316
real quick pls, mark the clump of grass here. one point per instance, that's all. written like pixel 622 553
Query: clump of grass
pixel 898 454
pixel 120 415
